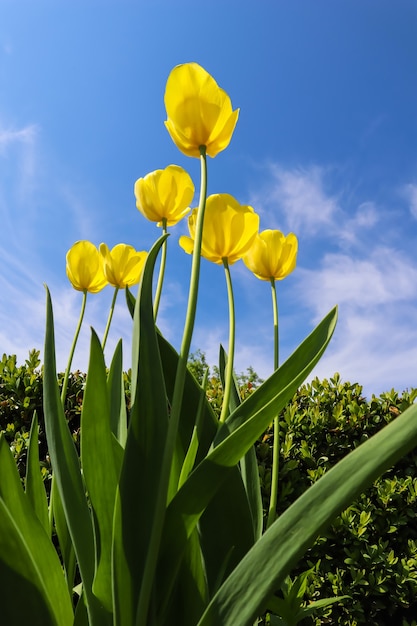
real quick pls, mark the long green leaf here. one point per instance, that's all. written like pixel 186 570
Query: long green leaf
pixel 139 508
pixel 249 421
pixel 21 590
pixel 66 468
pixel 35 489
pixel 208 424
pixel 26 551
pixel 99 467
pixel 245 593
pixel 118 417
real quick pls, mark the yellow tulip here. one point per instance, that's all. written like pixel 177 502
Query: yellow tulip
pixel 199 112
pixel 272 255
pixel 165 195
pixel 123 265
pixel 229 229
pixel 85 268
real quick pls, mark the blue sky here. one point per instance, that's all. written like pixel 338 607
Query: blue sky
pixel 325 146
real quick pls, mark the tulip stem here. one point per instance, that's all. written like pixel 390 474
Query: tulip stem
pixel 276 447
pixel 110 317
pixel 161 271
pixel 228 375
pixel 74 343
pixel 168 482
pixel 191 307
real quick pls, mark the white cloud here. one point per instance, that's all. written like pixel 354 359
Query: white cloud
pixel 410 192
pixel 373 282
pixel 375 342
pixel 300 194
pixel 381 277
pixel 9 136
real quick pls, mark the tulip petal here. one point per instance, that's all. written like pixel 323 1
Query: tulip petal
pixel 199 112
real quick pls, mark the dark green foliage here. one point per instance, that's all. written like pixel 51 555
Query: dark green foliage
pixel 21 394
pixel 369 552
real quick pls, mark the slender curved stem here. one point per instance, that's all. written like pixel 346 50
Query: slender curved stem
pixel 228 376
pixel 191 311
pixel 161 271
pixel 276 447
pixel 168 486
pixel 110 317
pixel 74 343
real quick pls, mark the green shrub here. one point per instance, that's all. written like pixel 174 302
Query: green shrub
pixel 370 550
pixel 21 395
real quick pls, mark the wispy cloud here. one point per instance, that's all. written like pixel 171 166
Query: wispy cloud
pixel 301 196
pixel 410 192
pixel 374 284
pixel 10 136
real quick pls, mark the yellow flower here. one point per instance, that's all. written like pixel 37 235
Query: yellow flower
pixel 165 194
pixel 229 229
pixel 123 265
pixel 199 112
pixel 85 267
pixel 272 255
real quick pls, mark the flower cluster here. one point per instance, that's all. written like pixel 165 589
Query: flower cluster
pixel 90 269
pixel 201 118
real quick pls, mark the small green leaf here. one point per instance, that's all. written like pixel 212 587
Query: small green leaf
pixel 35 489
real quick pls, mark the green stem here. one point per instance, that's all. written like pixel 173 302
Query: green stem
pixel 110 317
pixel 190 315
pixel 74 343
pixel 228 376
pixel 161 271
pixel 165 493
pixel 275 452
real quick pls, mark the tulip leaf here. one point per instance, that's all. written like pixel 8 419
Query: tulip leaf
pixel 130 301
pixel 245 593
pixel 140 506
pixel 229 510
pixel 27 554
pixel 118 417
pixel 231 505
pixel 99 467
pixel 249 420
pixel 208 424
pixel 67 474
pixel 35 489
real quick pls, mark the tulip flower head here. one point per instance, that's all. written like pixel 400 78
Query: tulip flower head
pixel 85 268
pixel 123 265
pixel 165 195
pixel 229 229
pixel 199 112
pixel 272 255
